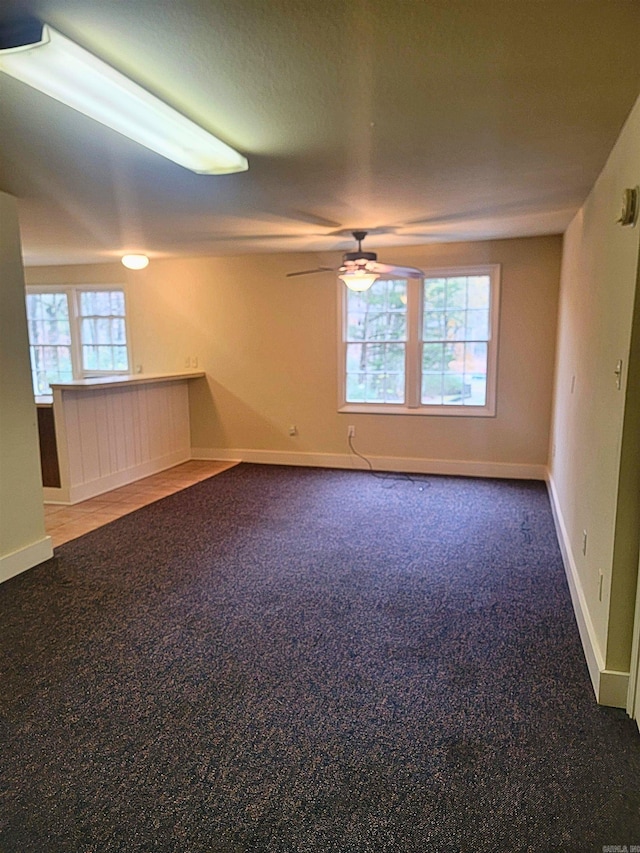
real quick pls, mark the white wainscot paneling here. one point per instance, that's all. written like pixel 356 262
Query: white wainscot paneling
pixel 111 435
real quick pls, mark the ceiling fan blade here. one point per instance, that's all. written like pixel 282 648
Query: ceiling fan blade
pixel 310 272
pixel 393 269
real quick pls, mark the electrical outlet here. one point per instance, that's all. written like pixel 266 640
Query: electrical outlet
pixel 351 431
pixel 194 361
pixel 138 368
pixel 293 429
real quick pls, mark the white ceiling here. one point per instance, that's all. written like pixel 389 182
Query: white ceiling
pixel 420 120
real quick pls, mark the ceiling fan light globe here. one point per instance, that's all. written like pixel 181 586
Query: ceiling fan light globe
pixel 358 280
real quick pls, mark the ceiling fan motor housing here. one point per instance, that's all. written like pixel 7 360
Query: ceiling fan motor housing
pixel 359 256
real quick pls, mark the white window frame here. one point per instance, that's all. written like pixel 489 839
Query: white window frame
pixel 413 350
pixel 72 292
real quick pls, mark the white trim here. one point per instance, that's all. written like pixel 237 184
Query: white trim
pixel 444 411
pixel 633 694
pixel 610 687
pixel 25 558
pixel 455 467
pixel 613 688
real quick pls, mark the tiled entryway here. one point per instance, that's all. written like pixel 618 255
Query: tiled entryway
pixel 63 523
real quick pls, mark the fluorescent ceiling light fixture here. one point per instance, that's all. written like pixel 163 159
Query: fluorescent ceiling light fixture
pixel 358 280
pixel 135 262
pixel 43 58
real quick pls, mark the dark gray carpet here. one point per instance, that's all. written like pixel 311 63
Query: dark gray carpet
pixel 284 659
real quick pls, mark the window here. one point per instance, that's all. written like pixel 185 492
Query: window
pixel 49 340
pixel 424 346
pixel 75 332
pixel 103 336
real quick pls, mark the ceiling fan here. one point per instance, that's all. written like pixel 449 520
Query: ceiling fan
pixel 360 269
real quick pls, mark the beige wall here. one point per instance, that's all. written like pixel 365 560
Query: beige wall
pixel 596 484
pixel 22 536
pixel 269 347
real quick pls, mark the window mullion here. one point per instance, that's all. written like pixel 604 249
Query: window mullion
pixel 73 298
pixel 413 348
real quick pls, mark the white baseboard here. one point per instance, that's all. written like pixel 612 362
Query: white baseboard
pixel 452 467
pixel 25 558
pixel 613 688
pixel 609 686
pixel 83 491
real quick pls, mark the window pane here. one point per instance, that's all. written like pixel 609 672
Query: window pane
pixel 384 388
pixel 432 367
pixel 455 325
pixel 63 332
pixel 479 291
pixel 90 357
pixel 88 332
pixel 105 358
pixel 356 387
pixel 118 332
pixel 434 294
pixel 374 358
pixel 453 389
pixel 397 295
pixel 355 358
pixel 478 325
pixel 87 302
pixel 355 326
pixel 33 304
pixel 378 314
pixel 120 358
pixel 377 327
pixel 117 302
pixel 375 373
pixel 49 340
pixel 432 389
pixel 103 331
pixel 476 374
pixel 433 323
pixel 457 292
pixel 103 302
pixel 453 375
pixel 64 362
pixel 394 361
pixel 433 358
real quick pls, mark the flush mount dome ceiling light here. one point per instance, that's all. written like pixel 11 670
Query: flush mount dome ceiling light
pixel 135 262
pixel 41 57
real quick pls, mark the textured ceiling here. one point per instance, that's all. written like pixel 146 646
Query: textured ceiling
pixel 421 120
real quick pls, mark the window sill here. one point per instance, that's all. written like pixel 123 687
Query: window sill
pixel 423 411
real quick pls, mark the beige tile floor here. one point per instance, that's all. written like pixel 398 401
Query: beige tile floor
pixel 68 522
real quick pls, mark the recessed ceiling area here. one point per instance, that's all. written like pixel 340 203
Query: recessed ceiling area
pixel 417 121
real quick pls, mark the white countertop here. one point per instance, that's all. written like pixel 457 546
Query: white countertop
pixel 97 382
